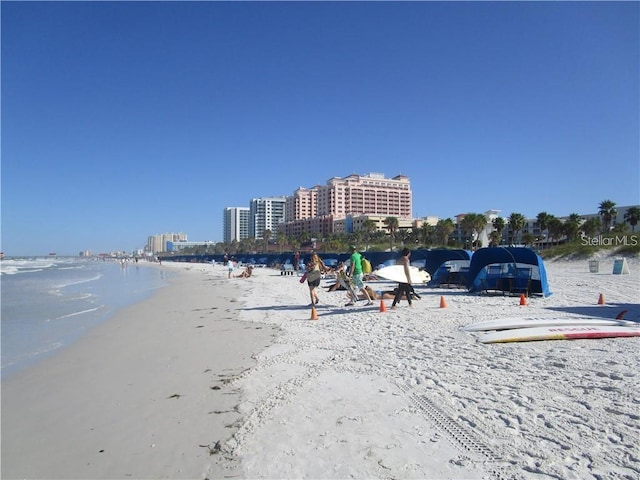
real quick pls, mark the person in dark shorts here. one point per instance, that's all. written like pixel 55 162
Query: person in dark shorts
pixel 315 269
pixel 404 288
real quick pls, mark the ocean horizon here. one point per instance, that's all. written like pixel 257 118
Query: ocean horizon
pixel 49 302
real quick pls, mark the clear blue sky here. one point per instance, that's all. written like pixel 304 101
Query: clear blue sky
pixel 122 120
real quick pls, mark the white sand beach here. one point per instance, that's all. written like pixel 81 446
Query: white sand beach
pixel 230 378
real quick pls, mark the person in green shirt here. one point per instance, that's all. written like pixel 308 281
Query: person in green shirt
pixel 355 272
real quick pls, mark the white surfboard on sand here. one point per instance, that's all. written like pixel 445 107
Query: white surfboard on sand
pixel 559 333
pixel 532 322
pixel 396 273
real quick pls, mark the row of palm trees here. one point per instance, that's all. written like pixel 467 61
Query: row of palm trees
pixel 432 235
pixel 570 229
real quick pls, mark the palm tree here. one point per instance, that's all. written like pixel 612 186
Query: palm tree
pixel 495 238
pixel 517 222
pixel 466 225
pixel 426 233
pixel 543 221
pixel 281 238
pixel 392 225
pixel 368 227
pixel 233 248
pixel 631 216
pixel 405 235
pixel 572 226
pixel 444 228
pixel 473 223
pixel 266 236
pixel 554 227
pixel 499 225
pixel 304 237
pixel 479 224
pixel 591 226
pixel 293 242
pixel 246 245
pixel 607 210
pixel 528 239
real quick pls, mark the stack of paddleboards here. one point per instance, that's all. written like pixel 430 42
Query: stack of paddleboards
pixel 534 329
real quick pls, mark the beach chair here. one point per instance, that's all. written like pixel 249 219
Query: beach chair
pixel 522 281
pixel 286 269
pixel 493 279
pixel 461 277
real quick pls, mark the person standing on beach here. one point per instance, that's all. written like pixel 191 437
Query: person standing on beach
pixel 404 288
pixel 355 272
pixel 314 270
pixel 230 267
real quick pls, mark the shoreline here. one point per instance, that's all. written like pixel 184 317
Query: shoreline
pixel 117 288
pixel 140 395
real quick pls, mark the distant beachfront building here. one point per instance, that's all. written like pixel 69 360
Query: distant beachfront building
pixel 178 246
pixel 352 223
pixel 160 243
pixel 302 204
pixel 266 214
pixel 370 194
pixel 344 204
pixel 428 220
pixel 235 225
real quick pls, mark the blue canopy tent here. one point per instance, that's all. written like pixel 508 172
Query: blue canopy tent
pixel 508 269
pixel 447 266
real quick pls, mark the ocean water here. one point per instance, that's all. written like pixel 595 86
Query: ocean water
pixel 48 303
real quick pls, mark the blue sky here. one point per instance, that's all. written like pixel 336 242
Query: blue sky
pixel 122 120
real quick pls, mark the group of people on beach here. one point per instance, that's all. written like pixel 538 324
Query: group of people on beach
pixel 354 277
pixel 231 266
pixel 352 280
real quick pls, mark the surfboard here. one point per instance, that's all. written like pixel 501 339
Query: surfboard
pixel 396 273
pixel 559 333
pixel 533 322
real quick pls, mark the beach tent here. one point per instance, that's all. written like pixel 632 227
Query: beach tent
pixel 447 266
pixel 507 269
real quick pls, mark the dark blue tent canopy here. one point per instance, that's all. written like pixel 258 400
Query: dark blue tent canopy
pixel 447 265
pixel 438 256
pixel 513 269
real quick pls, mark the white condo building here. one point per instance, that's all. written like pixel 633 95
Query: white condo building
pixel 266 214
pixel 235 224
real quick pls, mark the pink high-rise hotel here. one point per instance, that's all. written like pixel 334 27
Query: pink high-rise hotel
pixel 343 204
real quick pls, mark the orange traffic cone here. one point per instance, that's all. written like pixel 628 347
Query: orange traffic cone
pixel 523 299
pixel 443 302
pixel 383 307
pixel 314 314
pixel 601 299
